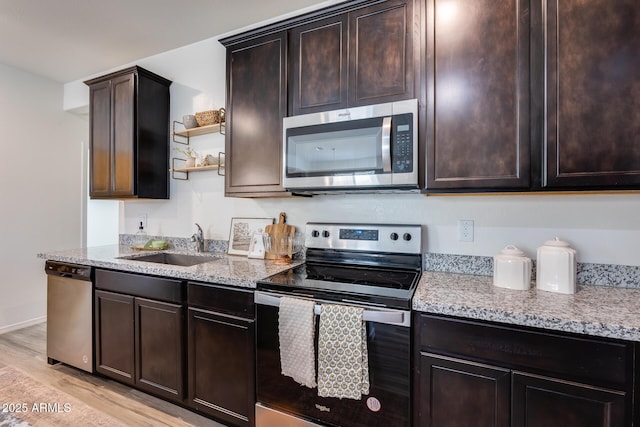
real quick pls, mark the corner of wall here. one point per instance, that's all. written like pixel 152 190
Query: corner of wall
pixel 75 98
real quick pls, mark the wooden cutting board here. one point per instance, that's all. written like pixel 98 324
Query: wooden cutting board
pixel 277 231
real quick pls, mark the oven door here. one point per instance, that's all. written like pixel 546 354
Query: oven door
pixel 281 399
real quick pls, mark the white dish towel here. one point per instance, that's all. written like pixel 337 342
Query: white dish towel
pixel 296 329
pixel 343 360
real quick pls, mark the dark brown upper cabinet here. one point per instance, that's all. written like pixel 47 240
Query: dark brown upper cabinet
pixel 256 105
pixel 360 57
pixel 129 135
pixel 477 81
pixel 592 94
pixel 318 63
pixel 357 53
pixel 381 53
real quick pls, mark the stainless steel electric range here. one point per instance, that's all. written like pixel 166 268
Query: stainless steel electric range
pixel 373 266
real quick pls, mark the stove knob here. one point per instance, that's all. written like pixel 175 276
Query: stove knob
pixel 394 236
pixel 315 233
pixel 325 233
pixel 406 236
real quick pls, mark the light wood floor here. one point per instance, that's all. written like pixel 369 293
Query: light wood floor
pixel 25 349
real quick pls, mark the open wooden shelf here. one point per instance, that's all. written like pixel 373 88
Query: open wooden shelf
pixel 201 130
pixel 185 170
pixel 197 168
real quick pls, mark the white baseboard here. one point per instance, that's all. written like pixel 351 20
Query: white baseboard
pixel 16 326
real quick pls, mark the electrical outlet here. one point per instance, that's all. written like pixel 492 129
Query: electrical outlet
pixel 142 218
pixel 465 230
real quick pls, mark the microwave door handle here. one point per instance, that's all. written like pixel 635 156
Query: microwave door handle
pixel 386 144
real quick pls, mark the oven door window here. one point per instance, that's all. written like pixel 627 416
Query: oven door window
pixel 335 149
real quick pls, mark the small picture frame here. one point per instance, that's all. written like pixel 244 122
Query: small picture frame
pixel 241 233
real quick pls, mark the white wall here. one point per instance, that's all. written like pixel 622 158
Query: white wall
pixel 604 228
pixel 103 222
pixel 41 189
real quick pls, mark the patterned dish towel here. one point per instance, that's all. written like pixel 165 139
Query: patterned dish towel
pixel 296 329
pixel 343 360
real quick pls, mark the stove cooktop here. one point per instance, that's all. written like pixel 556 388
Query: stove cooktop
pixel 375 264
pixel 362 284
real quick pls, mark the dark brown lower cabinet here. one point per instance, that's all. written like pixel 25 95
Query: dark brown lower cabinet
pixel 139 339
pixel 481 374
pixel 221 353
pixel 459 393
pixel 140 342
pixel 159 348
pixel 541 402
pixel 114 336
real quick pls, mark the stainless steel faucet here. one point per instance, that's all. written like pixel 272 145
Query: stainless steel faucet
pixel 198 237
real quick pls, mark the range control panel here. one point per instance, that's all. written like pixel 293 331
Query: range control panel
pixel 394 238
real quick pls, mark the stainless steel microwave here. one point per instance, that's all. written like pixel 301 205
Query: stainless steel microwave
pixel 373 148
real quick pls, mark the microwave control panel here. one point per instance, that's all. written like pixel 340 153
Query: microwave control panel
pixel 402 137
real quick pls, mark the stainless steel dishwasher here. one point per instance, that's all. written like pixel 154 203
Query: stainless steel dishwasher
pixel 70 314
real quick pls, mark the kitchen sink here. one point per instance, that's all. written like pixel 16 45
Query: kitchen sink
pixel 183 260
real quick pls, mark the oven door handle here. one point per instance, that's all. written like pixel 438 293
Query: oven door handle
pixel 386 316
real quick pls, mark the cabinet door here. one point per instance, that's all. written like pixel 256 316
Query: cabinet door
pixel 593 92
pixel 381 55
pixel 124 136
pixel 159 348
pixel 457 393
pixel 100 139
pixel 318 66
pixel 221 360
pixel 546 402
pixel 115 336
pixel 477 85
pixel 257 102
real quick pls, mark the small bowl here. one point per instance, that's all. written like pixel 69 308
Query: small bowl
pixel 189 121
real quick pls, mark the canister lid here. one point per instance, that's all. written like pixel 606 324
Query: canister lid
pixel 556 242
pixel 511 250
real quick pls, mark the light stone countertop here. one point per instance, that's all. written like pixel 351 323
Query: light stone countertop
pixel 224 269
pixel 593 310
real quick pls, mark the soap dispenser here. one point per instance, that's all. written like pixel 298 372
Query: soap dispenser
pixel 556 267
pixel 141 236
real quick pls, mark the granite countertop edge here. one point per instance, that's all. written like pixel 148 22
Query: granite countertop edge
pixel 224 269
pixel 599 311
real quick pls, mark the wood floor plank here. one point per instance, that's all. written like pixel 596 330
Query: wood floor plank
pixel 25 350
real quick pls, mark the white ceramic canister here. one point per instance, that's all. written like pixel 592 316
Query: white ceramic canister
pixel 556 267
pixel 511 269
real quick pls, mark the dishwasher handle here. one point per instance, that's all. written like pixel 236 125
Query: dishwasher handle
pixel 370 314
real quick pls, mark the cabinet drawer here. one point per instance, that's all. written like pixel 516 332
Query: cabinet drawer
pixel 158 288
pixel 601 362
pixel 238 302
